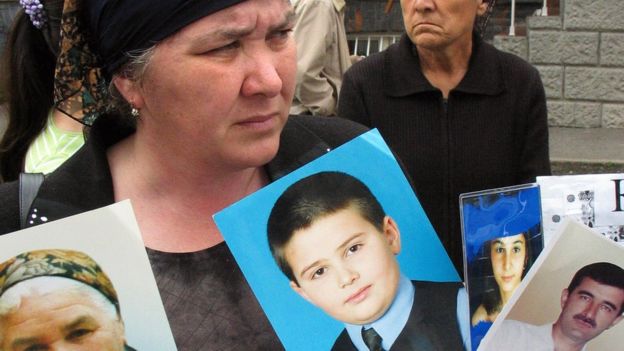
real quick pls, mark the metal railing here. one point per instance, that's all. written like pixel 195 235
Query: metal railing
pixel 512 20
pixel 370 43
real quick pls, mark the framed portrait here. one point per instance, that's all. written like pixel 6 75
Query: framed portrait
pixel 501 230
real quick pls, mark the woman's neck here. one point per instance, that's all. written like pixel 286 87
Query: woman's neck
pixel 174 198
pixel 445 68
pixel 505 296
pixel 66 123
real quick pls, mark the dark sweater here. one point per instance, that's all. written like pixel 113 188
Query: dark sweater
pixel 492 131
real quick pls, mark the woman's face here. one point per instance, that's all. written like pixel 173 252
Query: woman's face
pixel 436 24
pixel 508 256
pixel 219 90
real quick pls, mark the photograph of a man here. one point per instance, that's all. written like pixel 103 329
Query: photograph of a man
pixel 58 300
pixel 333 240
pixel 592 303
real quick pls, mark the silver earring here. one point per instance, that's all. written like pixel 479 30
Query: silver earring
pixel 134 112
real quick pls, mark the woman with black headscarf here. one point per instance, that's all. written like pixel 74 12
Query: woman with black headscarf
pixel 203 90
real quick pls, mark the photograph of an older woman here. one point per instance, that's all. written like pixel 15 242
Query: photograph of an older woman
pixel 503 237
pixel 58 299
pixel 83 280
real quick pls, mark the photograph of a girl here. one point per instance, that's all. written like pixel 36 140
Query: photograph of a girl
pixel 503 237
pixel 508 257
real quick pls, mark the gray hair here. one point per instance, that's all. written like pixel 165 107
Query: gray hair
pixel 134 69
pixel 11 299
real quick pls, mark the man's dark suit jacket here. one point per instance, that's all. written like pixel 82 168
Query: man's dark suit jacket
pixel 432 324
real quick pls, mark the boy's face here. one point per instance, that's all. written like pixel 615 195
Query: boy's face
pixel 345 266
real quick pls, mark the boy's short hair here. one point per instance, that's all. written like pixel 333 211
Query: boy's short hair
pixel 314 197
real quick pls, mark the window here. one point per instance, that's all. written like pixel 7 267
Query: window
pixel 370 43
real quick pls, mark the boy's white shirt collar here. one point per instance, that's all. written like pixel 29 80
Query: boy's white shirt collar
pixel 397 315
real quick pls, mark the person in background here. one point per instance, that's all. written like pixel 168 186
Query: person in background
pixel 39 135
pixel 201 93
pixel 322 55
pixel 462 115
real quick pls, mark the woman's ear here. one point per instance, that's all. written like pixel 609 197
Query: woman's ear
pixel 482 7
pixel 129 90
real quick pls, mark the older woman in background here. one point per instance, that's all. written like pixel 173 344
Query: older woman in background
pixel 204 90
pixel 462 115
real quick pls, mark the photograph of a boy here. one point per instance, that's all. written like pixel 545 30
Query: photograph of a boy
pixel 332 239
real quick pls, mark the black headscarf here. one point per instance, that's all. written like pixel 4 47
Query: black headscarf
pixel 118 27
pixel 97 35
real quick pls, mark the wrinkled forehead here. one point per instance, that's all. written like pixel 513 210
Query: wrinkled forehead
pixel 244 17
pixel 118 28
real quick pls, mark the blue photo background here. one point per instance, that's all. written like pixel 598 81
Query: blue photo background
pixel 298 324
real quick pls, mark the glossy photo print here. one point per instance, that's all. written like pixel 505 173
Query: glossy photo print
pixel 343 243
pixel 502 238
pixel 573 296
pixel 81 283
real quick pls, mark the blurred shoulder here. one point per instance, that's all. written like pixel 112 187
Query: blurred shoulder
pixel 512 63
pixel 305 138
pixel 370 63
pixel 333 130
pixel 303 5
pixel 480 315
pixel 9 211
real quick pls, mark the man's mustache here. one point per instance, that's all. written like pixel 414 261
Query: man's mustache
pixel 585 319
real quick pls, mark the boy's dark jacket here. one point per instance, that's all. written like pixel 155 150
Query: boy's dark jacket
pixel 432 324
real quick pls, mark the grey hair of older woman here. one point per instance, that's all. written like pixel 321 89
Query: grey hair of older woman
pixel 135 70
pixel 12 298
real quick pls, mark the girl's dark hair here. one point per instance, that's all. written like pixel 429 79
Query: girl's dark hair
pixel 27 78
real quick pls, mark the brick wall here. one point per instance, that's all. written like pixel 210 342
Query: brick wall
pixel 580 55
